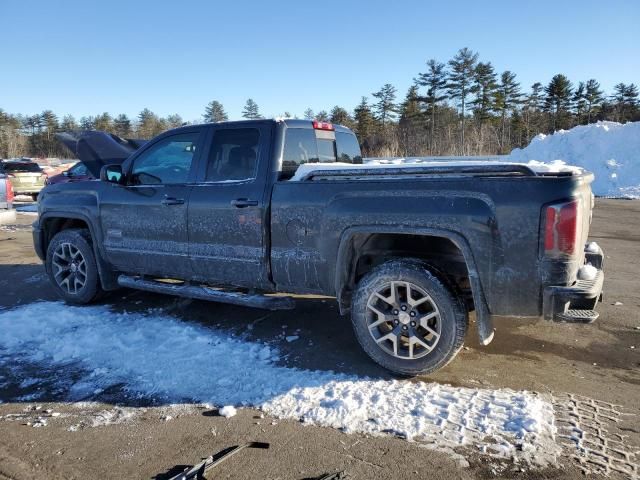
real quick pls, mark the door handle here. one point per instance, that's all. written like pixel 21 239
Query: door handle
pixel 243 203
pixel 172 201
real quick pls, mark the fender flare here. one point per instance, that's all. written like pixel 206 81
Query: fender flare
pixel 345 264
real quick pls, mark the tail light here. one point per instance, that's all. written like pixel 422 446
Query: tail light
pixel 10 194
pixel 323 125
pixel 561 229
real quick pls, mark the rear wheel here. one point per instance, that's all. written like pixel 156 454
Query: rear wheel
pixel 406 319
pixel 71 266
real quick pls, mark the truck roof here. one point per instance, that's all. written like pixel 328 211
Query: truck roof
pixel 289 122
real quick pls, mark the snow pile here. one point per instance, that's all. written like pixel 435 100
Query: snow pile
pixel 161 358
pixel 608 149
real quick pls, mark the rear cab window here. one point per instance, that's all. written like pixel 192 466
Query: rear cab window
pixel 312 145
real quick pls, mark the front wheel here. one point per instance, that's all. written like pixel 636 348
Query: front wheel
pixel 72 268
pixel 406 319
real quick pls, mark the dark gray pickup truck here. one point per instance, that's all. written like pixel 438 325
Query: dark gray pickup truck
pixel 238 211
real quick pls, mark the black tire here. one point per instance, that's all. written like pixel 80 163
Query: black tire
pixel 449 310
pixel 78 239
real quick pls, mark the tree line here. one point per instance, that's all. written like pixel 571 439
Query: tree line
pixel 459 107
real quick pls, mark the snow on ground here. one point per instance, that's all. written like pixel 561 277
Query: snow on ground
pixel 161 358
pixel 608 149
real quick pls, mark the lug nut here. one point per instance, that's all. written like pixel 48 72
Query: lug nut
pixel 404 327
pixel 395 312
pixel 396 322
pixel 404 308
pixel 413 314
pixel 413 324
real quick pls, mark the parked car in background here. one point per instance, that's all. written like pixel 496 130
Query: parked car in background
pixel 77 173
pixel 26 176
pixel 7 213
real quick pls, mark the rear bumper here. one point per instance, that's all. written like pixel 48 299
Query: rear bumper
pixel 576 303
pixel 27 189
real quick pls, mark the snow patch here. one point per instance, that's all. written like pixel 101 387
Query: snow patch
pixel 228 411
pixel 587 272
pixel 608 149
pixel 162 358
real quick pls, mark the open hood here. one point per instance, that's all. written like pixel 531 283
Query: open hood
pixel 96 149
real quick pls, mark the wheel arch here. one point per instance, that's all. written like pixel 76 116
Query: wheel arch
pixel 350 252
pixel 55 222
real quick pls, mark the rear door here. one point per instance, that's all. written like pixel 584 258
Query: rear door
pixel 228 205
pixel 144 222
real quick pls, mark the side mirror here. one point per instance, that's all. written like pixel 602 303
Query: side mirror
pixel 66 173
pixel 111 173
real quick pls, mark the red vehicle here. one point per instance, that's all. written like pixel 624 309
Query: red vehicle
pixel 77 173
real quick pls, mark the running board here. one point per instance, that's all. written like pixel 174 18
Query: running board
pixel 206 293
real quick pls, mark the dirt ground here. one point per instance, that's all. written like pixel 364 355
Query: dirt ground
pixel 591 364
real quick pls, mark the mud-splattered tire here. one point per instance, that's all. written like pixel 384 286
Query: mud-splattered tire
pixel 406 319
pixel 71 266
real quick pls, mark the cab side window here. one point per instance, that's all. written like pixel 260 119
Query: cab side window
pixel 300 147
pixel 167 162
pixel 233 155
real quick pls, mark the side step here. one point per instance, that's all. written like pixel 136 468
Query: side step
pixel 577 316
pixel 200 292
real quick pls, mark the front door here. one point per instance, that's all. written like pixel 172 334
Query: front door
pixel 227 208
pixel 144 222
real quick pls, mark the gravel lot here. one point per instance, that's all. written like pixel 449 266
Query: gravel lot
pixel 591 372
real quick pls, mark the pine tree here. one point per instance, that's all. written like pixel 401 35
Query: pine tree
pixel 68 124
pixel 507 98
pixel 385 108
pixel 86 123
pixel 484 87
pixel 558 101
pixel 579 102
pixel 251 110
pixel 625 100
pixel 340 116
pixel 435 79
pixel 149 124
pixel 365 121
pixel 309 115
pixel 103 122
pixel 122 125
pixel 411 121
pixel 462 68
pixel 214 112
pixel 322 116
pixel 594 97
pixel 532 106
pixel 174 121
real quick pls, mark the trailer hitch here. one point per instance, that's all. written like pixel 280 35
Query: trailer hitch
pixel 197 471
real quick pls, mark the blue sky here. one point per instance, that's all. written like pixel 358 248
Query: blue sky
pixel 174 57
